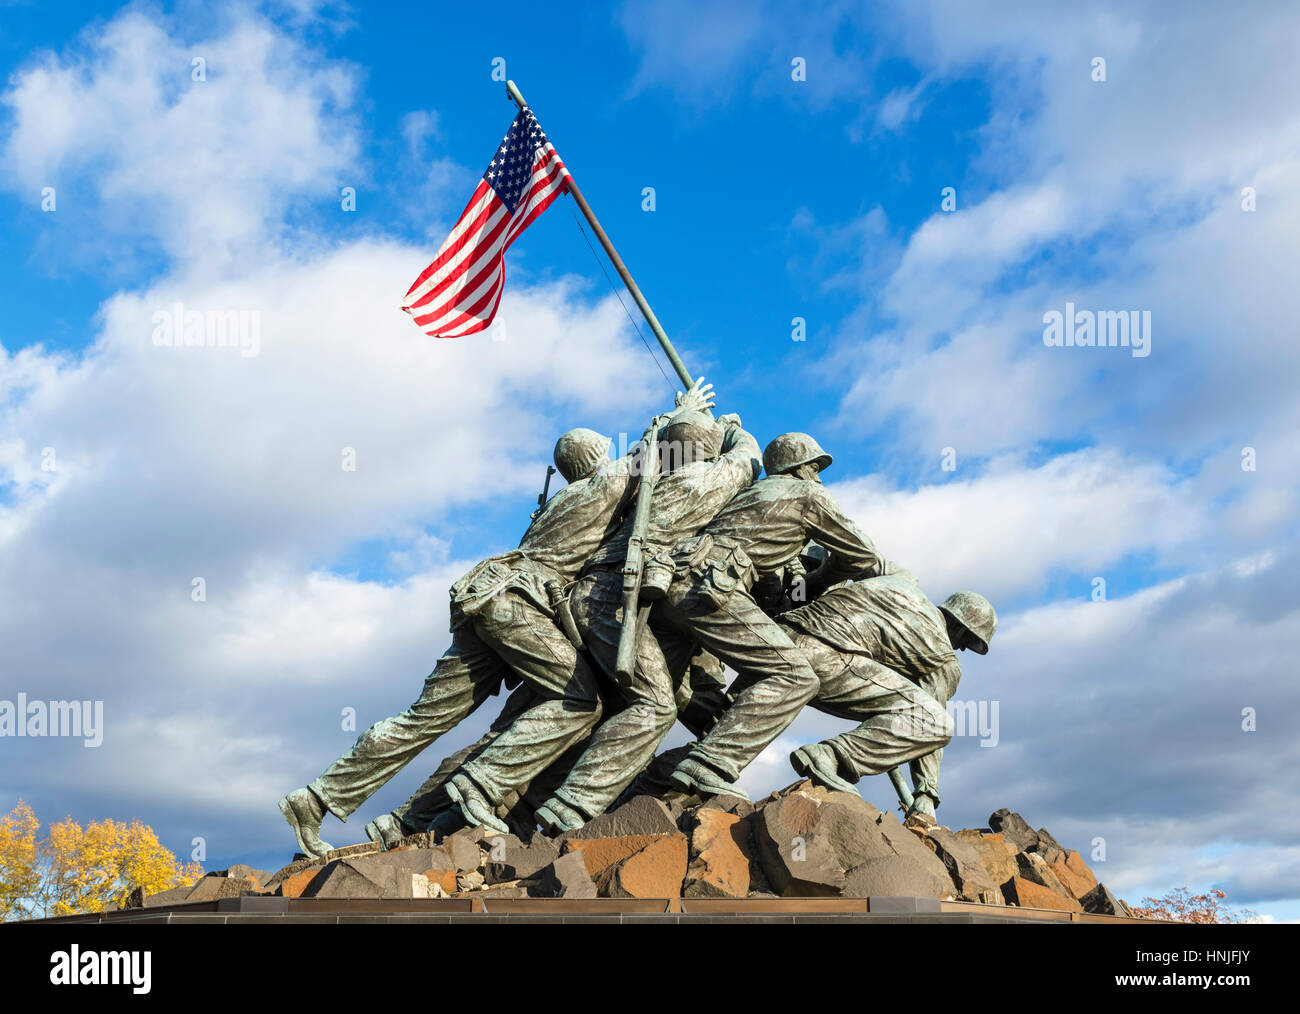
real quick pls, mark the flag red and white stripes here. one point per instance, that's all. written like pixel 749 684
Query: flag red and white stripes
pixel 459 292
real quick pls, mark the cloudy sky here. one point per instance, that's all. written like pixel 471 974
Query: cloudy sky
pixel 1131 516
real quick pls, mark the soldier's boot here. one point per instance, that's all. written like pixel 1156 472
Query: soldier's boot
pixel 701 780
pixel 922 809
pixel 818 762
pixel 386 830
pixel 556 818
pixel 474 805
pixel 304 812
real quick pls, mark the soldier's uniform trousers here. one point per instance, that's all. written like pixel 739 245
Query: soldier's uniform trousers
pixel 509 638
pixel 899 721
pixel 625 743
pixel 774 678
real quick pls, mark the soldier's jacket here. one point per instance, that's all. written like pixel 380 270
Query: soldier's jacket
pixel 889 620
pixel 772 520
pixel 686 499
pixel 556 546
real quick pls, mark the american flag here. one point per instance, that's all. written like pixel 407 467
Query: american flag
pixel 459 292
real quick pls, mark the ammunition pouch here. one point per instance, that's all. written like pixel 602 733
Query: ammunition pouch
pixel 510 572
pixel 656 575
pixel 716 571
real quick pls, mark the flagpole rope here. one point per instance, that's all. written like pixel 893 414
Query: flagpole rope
pixel 614 289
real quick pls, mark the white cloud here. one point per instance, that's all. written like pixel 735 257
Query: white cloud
pixel 1006 530
pixel 202 168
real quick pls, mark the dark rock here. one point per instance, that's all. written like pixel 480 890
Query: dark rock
pixel 1101 902
pixel 463 847
pixel 517 862
pixel 859 832
pixel 566 877
pixel 809 839
pixel 729 804
pixel 259 877
pixel 897 875
pixel 1048 847
pixel 640 816
pixel 360 849
pixel 1014 828
pixel 798 861
pixel 218 885
pixel 339 879
pixel 962 862
pixel 383 874
pixel 172 896
pixel 512 891
pixel 492 841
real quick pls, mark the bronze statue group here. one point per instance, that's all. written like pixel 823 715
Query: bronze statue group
pixel 764 575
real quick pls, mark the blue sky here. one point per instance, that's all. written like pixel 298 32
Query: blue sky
pixel 775 198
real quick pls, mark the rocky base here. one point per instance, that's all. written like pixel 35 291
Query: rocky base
pixel 804 841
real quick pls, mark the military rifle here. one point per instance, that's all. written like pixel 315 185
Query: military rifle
pixel 542 496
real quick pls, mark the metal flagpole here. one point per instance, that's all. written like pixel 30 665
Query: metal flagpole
pixel 682 372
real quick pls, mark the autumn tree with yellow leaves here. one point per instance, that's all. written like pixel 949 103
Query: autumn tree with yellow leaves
pixel 74 869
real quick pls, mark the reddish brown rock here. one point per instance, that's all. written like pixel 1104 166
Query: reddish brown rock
pixel 444 877
pixel 656 871
pixel 1027 894
pixel 1034 867
pixel 296 884
pixel 720 850
pixel 601 853
pixel 297 866
pixel 1073 872
pixel 995 854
